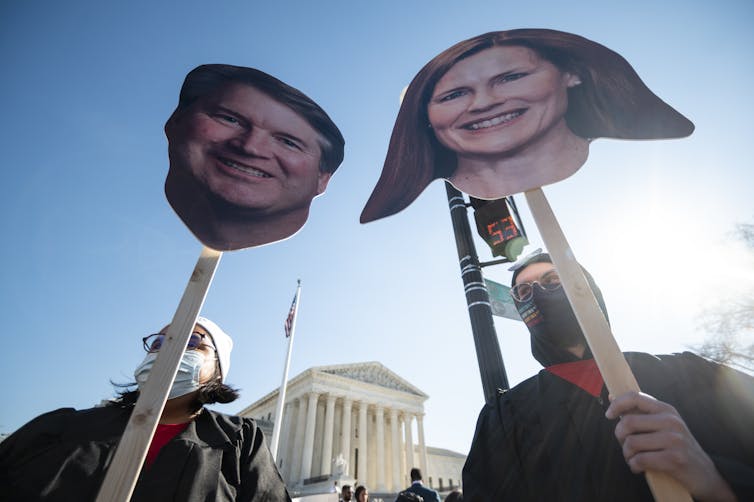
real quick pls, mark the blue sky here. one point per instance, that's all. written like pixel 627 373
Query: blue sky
pixel 94 258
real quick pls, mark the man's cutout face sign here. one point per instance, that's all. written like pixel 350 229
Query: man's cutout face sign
pixel 246 159
pixel 510 111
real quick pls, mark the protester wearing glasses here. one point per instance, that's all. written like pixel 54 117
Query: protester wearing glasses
pixel 196 453
pixel 558 436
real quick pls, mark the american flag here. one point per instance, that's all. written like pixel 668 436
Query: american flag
pixel 291 316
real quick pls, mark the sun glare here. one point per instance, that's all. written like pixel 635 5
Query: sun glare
pixel 677 258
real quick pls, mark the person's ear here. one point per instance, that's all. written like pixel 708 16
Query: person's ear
pixel 322 181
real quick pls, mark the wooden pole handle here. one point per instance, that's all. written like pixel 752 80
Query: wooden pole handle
pixel 123 472
pixel 610 360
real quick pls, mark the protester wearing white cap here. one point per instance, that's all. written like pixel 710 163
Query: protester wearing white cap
pixel 223 344
pixel 196 453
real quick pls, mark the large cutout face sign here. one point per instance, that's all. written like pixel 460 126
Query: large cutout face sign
pixel 510 111
pixel 248 154
pixel 505 105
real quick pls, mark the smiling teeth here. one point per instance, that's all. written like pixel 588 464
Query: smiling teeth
pixel 245 169
pixel 495 121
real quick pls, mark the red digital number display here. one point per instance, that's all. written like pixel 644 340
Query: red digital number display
pixel 501 230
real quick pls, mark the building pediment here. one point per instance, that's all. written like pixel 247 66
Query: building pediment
pixel 334 419
pixel 371 373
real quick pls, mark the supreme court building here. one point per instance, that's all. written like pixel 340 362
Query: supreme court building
pixel 354 423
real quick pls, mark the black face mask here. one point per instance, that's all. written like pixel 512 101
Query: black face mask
pixel 553 326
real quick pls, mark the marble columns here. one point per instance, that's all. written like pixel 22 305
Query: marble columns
pixel 326 466
pixel 346 431
pixel 409 418
pixel 362 459
pixel 308 450
pixel 396 442
pixel 379 411
pixel 295 463
pixel 422 444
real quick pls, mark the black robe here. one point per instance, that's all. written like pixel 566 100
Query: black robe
pixel 63 456
pixel 547 439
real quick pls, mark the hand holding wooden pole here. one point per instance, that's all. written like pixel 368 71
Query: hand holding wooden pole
pixel 608 356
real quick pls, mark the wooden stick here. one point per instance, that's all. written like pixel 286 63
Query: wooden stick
pixel 123 472
pixel 610 360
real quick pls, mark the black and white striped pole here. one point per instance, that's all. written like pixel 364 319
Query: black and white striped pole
pixel 489 357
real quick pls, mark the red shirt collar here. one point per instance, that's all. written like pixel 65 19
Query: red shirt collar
pixel 584 374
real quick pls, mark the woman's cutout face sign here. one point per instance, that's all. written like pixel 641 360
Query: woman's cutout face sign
pixel 244 167
pixel 499 101
pixel 510 111
pixel 502 111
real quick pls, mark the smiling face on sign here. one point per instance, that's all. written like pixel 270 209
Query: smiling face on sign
pixel 500 102
pixel 249 151
pixel 244 166
pixel 502 112
pixel 510 111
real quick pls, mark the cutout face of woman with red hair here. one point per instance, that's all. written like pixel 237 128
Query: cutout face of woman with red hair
pixel 509 111
pixel 502 111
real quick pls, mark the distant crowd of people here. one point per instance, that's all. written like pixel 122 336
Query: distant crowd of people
pixel 417 492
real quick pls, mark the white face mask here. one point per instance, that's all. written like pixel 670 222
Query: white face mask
pixel 187 378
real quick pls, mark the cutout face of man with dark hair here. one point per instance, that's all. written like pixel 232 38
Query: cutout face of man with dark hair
pixel 244 167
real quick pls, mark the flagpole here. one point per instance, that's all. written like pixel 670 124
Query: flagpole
pixel 281 394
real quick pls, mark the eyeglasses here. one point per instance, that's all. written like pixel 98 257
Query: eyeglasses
pixel 549 281
pixel 152 343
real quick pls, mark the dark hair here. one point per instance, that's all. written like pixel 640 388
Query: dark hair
pixel 521 265
pixel 416 474
pixel 207 78
pixel 454 496
pixel 611 101
pixel 359 490
pixel 344 488
pixel 214 391
pixel 209 393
